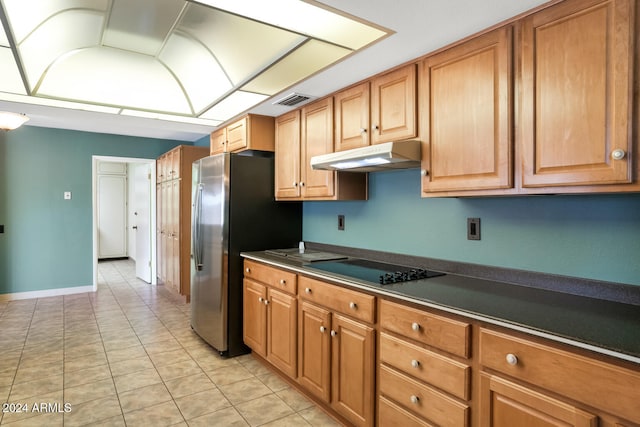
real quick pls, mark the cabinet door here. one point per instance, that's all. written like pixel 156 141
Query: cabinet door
pixel 467 115
pixel 353 373
pixel 393 105
pixel 175 235
pixel 160 161
pixel 218 141
pixel 176 157
pixel 282 327
pixel 352 117
pixel 166 227
pixel 314 351
pixel 287 157
pixel 316 139
pixel 576 93
pixel 237 135
pixel 254 326
pixel 159 232
pixel 506 404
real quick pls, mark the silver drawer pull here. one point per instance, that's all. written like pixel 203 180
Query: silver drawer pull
pixel 307 290
pixel 266 302
pixel 414 399
pixel 261 299
pixel 512 359
pixel 415 326
pixel 333 333
pixel 618 154
pixel 282 281
pixel 353 305
pixel 247 270
pixel 415 363
pixel 322 329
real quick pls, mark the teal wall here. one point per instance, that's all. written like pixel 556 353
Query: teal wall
pixel 588 236
pixel 47 241
pixel 205 141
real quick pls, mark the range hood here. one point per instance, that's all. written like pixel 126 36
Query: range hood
pixel 379 157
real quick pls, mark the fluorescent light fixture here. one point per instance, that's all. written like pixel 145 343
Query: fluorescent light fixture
pixel 233 105
pixel 207 59
pixel 11 121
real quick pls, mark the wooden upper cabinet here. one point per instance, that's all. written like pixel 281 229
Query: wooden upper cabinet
pixel 393 105
pixel 287 159
pixel 252 132
pixel 575 111
pixel 317 138
pixel 218 141
pixel 352 117
pixel 466 104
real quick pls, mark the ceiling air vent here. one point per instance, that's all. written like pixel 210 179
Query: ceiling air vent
pixel 293 99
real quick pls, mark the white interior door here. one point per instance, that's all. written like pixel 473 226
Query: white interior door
pixel 112 211
pixel 142 215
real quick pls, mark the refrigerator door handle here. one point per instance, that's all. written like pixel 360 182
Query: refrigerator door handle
pixel 197 225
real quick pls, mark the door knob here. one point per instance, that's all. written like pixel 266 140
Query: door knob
pixel 618 154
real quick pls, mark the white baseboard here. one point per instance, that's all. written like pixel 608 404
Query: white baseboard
pixel 46 293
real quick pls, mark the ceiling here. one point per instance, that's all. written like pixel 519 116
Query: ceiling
pixel 416 28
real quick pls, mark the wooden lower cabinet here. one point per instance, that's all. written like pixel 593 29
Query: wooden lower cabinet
pixel 373 361
pixel 270 325
pixel 353 356
pixel 336 361
pixel 506 404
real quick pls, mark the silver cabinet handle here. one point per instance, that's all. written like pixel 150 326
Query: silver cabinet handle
pixel 415 363
pixel 247 270
pixel 414 399
pixel 266 302
pixel 333 333
pixel 295 184
pixel 363 130
pixel 353 305
pixel 307 290
pixel 415 326
pixel 376 127
pixel 261 299
pixel 512 359
pixel 618 154
pixel 301 183
pixel 283 282
pixel 322 329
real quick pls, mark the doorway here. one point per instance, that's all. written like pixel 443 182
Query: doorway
pixel 141 218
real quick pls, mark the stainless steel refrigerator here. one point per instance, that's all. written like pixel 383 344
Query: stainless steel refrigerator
pixel 233 210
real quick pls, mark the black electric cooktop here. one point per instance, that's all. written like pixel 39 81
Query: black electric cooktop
pixel 374 272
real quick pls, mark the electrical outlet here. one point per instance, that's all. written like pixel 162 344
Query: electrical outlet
pixel 473 228
pixel 67 195
pixel 340 222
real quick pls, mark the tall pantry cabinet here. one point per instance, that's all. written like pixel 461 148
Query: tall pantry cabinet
pixel 173 189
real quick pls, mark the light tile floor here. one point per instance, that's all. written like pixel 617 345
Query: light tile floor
pixel 126 356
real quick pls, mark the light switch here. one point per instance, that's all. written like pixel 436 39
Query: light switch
pixel 67 195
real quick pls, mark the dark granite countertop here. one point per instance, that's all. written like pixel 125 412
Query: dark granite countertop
pixel 605 326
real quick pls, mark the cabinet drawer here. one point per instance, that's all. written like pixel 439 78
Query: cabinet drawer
pixel 390 414
pixel 279 279
pixel 352 303
pixel 422 399
pixel 425 365
pixel 431 329
pixel 593 382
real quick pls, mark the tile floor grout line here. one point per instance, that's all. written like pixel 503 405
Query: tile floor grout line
pixel 93 310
